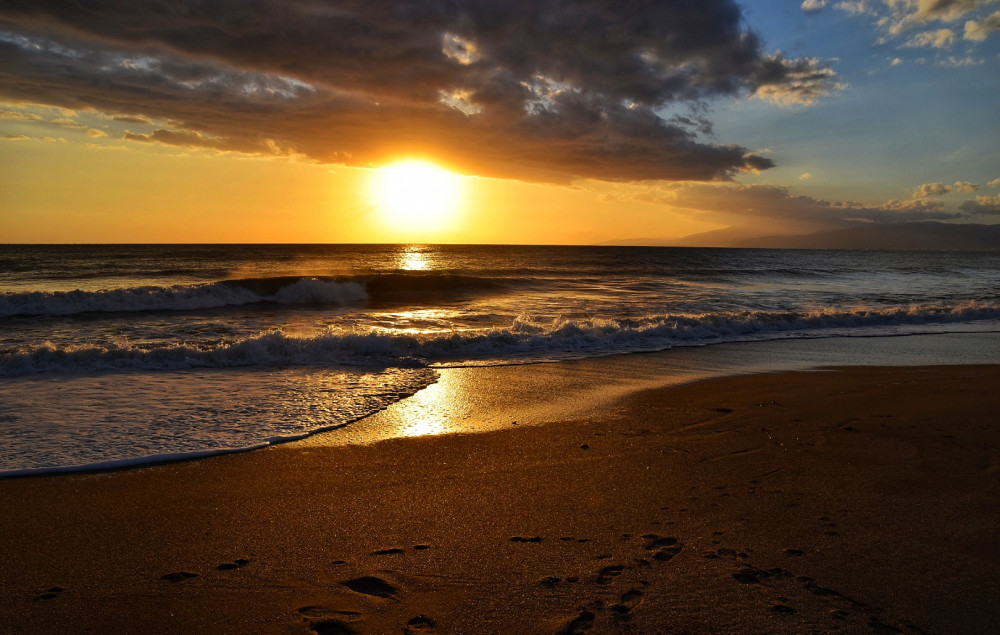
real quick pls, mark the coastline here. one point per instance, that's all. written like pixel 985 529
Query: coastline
pixel 463 398
pixel 854 498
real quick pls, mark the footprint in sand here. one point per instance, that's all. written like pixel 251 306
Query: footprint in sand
pixel 666 548
pixel 629 600
pixel 370 585
pixel 322 611
pixel 180 576
pixel 523 539
pixel 749 575
pixel 666 554
pixel 387 552
pixel 327 621
pixel 50 594
pixel 550 582
pixel 332 627
pixel 235 564
pixel 607 574
pixel 419 624
pixel 580 624
pixel 656 542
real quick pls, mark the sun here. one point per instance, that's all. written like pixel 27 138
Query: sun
pixel 416 196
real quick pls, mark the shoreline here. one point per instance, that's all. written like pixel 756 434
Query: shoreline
pixel 848 499
pixel 463 400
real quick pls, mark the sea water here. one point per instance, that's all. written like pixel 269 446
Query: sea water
pixel 114 355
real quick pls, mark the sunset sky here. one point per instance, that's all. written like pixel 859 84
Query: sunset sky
pixel 583 122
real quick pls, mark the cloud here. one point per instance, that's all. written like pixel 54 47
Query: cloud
pixel 21 137
pixel 947 9
pixel 539 90
pixel 806 80
pixel 931 189
pixel 994 183
pixel 928 190
pixel 982 206
pixel 813 6
pixel 958 62
pixel 941 39
pixel 14 115
pixel 182 138
pixel 895 17
pixel 855 7
pixel 132 119
pixel 979 31
pixel 777 207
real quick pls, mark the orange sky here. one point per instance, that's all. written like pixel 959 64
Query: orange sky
pixel 72 192
pixel 576 123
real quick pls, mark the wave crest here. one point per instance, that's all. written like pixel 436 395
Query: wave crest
pixel 528 338
pixel 386 288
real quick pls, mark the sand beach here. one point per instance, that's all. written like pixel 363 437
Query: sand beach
pixel 842 500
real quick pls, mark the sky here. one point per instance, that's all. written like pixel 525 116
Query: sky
pixel 561 123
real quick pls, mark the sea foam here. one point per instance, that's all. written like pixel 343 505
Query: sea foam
pixel 528 338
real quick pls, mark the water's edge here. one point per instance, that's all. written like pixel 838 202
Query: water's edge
pixel 549 390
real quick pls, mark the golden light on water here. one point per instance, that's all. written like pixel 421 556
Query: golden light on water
pixel 416 196
pixel 441 408
pixel 425 414
pixel 414 259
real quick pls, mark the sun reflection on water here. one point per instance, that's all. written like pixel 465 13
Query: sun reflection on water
pixel 414 259
pixel 436 409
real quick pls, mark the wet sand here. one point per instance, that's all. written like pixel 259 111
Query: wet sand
pixel 854 500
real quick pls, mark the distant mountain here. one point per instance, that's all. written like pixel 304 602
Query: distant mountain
pixel 726 237
pixel 915 236
pixel 904 236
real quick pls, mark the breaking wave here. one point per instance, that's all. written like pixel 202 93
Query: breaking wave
pixel 386 288
pixel 526 339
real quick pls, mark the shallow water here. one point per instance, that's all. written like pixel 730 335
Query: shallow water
pixel 121 354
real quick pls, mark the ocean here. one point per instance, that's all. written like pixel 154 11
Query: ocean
pixel 129 354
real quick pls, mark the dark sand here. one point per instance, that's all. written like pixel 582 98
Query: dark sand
pixel 854 500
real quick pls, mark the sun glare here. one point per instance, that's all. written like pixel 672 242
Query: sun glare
pixel 414 195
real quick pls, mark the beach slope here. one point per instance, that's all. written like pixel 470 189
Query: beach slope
pixel 851 499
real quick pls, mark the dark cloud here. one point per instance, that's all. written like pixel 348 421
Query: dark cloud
pixel 133 119
pixel 540 90
pixel 982 206
pixel 948 9
pixel 776 206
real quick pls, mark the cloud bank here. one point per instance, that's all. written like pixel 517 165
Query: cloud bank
pixel 895 17
pixel 539 90
pixel 751 207
pixel 928 190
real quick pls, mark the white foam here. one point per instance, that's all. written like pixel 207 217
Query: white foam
pixel 110 421
pixel 527 338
